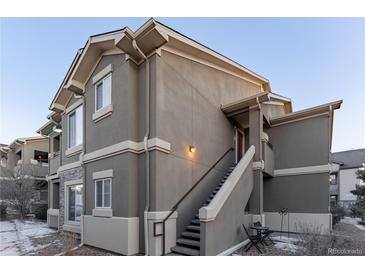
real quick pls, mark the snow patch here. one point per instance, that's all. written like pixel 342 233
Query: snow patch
pixel 353 221
pixel 16 235
pixel 287 243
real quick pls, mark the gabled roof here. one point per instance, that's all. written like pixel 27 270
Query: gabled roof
pixel 151 36
pixel 47 128
pixel 240 105
pixel 349 159
pixel 306 112
pixel 24 140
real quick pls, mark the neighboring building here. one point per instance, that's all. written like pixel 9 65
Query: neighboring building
pixel 344 180
pixel 130 139
pixel 27 156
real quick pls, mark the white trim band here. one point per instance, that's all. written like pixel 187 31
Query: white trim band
pixel 69 166
pixel 73 106
pixel 127 146
pixel 100 75
pixel 259 165
pixel 232 249
pixel 302 170
pixel 73 150
pixel 103 212
pixel 52 177
pixel 102 113
pixel 103 174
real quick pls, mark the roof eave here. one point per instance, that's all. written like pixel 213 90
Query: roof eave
pixel 325 108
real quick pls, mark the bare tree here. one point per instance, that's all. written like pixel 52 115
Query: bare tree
pixel 18 187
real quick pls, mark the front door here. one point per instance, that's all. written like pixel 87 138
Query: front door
pixel 240 145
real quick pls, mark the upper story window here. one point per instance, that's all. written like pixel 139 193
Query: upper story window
pixel 103 90
pixel 75 127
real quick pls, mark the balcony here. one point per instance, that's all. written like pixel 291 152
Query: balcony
pixel 334 189
pixel 268 157
pixel 54 163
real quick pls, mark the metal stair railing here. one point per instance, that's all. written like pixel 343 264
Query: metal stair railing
pixel 175 207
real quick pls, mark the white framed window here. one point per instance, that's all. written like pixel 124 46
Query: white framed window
pixel 103 193
pixel 74 203
pixel 75 132
pixel 103 92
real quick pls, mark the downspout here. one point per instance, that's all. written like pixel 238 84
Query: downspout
pixel 145 141
pixel 81 159
pixel 260 149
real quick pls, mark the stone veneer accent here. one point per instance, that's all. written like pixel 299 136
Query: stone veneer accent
pixel 67 175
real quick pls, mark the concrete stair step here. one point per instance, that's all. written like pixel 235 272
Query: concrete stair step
pixel 191 235
pixel 185 251
pixel 193 228
pixel 189 243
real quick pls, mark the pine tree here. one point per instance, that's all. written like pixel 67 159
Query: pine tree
pixel 358 209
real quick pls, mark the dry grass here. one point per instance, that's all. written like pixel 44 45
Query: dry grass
pixel 70 242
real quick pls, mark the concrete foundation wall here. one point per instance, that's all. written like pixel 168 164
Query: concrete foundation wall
pixel 116 234
pixel 300 222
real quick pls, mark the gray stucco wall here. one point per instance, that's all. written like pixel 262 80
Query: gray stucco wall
pixel 228 223
pixel 124 184
pixel 299 144
pixel 185 107
pixel 122 124
pixel 299 193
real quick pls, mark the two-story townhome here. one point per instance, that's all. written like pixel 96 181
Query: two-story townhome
pixel 27 157
pixel 160 144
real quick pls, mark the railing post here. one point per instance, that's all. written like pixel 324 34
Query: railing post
pixel 163 239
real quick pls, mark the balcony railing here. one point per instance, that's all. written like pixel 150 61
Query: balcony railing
pixel 54 163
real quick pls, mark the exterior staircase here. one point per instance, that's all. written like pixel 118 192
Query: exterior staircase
pixel 189 242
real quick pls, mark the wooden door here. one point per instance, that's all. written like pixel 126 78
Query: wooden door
pixel 240 145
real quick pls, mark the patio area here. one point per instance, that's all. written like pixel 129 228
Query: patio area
pixel 347 239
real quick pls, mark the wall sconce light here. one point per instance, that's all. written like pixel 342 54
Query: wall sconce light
pixel 57 130
pixel 192 148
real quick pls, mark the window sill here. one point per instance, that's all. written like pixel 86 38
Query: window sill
pixel 73 150
pixel 103 212
pixel 102 113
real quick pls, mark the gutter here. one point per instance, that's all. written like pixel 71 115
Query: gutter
pixel 145 140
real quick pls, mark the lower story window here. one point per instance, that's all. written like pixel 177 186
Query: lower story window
pixel 103 193
pixel 74 203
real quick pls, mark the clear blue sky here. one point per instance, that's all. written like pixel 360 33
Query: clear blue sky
pixel 311 60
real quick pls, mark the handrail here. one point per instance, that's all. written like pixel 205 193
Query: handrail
pixel 174 208
pixel 209 213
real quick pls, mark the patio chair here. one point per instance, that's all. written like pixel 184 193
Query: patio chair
pixel 265 233
pixel 254 240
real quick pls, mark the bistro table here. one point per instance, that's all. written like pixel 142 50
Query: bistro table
pixel 259 231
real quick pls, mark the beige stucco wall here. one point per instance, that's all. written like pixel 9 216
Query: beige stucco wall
pixel 347 181
pixel 116 234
